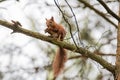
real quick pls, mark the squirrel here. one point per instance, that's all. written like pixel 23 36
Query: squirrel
pixel 57 31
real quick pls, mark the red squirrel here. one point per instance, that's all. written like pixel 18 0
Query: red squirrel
pixel 57 31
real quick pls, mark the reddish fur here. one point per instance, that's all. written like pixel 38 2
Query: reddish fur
pixel 57 31
pixel 59 60
pixel 53 27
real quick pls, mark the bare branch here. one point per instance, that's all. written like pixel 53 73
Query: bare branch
pixel 98 12
pixel 65 45
pixel 106 2
pixel 79 36
pixel 67 23
pixel 108 10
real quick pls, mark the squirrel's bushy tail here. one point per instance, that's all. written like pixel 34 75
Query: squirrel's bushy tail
pixel 59 60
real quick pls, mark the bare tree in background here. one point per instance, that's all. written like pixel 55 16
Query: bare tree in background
pixel 85 50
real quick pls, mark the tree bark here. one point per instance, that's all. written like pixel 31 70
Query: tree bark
pixel 117 70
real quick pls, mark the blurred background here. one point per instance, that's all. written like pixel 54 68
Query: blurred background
pixel 26 58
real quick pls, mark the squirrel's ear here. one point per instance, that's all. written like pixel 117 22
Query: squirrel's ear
pixel 52 18
pixel 46 19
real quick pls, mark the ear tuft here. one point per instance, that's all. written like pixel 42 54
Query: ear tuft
pixel 52 18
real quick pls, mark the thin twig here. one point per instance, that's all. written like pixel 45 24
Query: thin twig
pixel 79 36
pixel 67 23
pixel 108 10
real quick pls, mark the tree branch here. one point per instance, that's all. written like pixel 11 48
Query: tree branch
pixel 117 63
pixel 66 20
pixel 78 30
pixel 108 10
pixel 98 12
pixel 65 45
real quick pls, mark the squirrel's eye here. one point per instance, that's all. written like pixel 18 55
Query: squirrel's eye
pixel 50 22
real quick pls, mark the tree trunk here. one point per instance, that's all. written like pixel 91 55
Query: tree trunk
pixel 117 70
